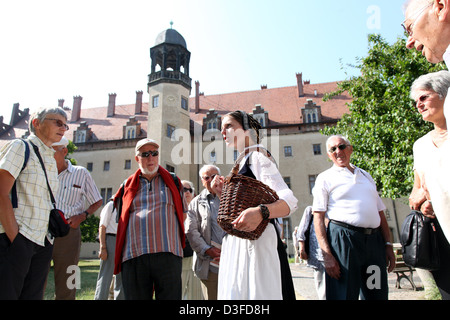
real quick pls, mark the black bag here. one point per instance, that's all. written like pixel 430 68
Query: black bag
pixel 57 224
pixel 419 242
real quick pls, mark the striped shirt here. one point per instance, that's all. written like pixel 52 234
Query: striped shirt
pixel 76 188
pixel 153 225
pixel 33 199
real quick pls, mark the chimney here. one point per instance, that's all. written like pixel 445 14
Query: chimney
pixel 111 105
pixel 197 97
pixel 138 105
pixel 15 114
pixel 300 85
pixel 61 103
pixel 76 110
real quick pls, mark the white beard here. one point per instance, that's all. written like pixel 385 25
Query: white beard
pixel 148 172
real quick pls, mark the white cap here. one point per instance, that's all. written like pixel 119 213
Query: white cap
pixel 63 142
pixel 144 142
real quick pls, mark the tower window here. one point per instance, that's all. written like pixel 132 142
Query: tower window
pixel 184 103
pixel 170 131
pixel 155 101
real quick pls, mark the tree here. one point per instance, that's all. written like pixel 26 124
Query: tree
pixel 383 123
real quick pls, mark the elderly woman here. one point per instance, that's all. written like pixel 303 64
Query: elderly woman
pixel 429 92
pixel 23 230
pixel 254 269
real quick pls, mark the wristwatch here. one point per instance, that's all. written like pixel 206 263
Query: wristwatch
pixel 264 212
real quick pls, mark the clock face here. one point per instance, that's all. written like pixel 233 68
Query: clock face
pixel 171 100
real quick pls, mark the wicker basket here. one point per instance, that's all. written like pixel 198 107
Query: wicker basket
pixel 240 192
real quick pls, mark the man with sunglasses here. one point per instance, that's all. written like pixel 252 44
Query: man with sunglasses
pixel 427 23
pixel 356 244
pixel 203 232
pixel 150 233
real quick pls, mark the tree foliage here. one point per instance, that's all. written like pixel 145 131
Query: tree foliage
pixel 383 123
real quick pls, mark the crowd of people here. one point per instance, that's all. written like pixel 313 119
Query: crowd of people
pixel 158 240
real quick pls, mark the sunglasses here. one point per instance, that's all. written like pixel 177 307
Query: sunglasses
pixel 187 190
pixel 148 153
pixel 206 178
pixel 340 147
pixel 59 123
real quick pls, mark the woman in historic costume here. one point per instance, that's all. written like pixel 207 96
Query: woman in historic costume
pixel 255 269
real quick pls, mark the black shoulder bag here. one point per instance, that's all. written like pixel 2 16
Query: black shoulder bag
pixel 57 224
pixel 419 242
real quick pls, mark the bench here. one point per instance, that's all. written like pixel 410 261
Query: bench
pixel 401 269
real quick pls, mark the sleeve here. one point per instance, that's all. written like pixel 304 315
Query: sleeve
pixel 91 191
pixel 267 172
pixel 320 195
pixel 12 156
pixel 106 213
pixel 192 227
pixel 304 223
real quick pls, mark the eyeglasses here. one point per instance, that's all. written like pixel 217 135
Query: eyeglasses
pixel 423 98
pixel 408 29
pixel 148 153
pixel 187 190
pixel 59 123
pixel 206 178
pixel 340 147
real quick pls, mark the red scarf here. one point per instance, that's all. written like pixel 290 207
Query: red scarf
pixel 129 193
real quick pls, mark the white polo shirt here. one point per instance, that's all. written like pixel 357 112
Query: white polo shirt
pixel 348 197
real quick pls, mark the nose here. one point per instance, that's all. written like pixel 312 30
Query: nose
pixel 410 42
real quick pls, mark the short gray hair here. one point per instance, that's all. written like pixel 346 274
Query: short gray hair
pixel 438 81
pixel 340 136
pixel 43 112
pixel 206 167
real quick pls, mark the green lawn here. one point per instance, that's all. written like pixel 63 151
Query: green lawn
pixel 88 280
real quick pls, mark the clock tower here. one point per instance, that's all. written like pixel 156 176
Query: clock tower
pixel 169 87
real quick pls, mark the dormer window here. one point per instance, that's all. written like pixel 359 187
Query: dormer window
pixel 311 112
pixel 80 136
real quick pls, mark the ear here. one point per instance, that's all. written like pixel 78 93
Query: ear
pixel 35 123
pixel 441 9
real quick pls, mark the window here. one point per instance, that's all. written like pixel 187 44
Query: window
pixel 170 131
pixel 184 103
pixel 212 157
pixel 106 166
pixel 235 155
pixel 106 194
pixel 90 166
pixel 127 164
pixel 288 181
pixel 155 101
pixel 130 132
pixel 80 136
pixel 288 151
pixel 312 182
pixel 317 150
pixel 170 168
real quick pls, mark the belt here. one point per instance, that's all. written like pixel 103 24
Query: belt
pixel 111 234
pixel 367 231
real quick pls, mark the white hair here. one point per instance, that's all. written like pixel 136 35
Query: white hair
pixel 207 167
pixel 438 82
pixel 337 136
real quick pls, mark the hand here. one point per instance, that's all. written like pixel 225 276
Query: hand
pixel 417 197
pixel 217 185
pixel 427 209
pixel 303 255
pixel 103 254
pixel 331 266
pixel 13 234
pixel 248 220
pixel 75 221
pixel 390 258
pixel 214 253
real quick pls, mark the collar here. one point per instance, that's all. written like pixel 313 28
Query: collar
pixel 42 147
pixel 342 169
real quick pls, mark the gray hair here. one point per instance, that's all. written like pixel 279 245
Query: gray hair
pixel 438 81
pixel 189 183
pixel 415 2
pixel 337 136
pixel 43 112
pixel 206 167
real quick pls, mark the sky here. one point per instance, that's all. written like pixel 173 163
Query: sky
pixel 58 49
